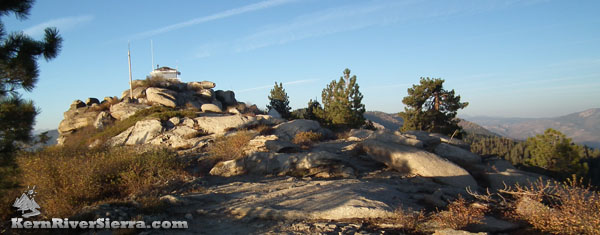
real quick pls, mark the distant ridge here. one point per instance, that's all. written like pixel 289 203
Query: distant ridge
pixel 391 121
pixel 583 127
pixel 474 128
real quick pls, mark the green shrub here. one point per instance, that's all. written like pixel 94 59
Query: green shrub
pixel 160 82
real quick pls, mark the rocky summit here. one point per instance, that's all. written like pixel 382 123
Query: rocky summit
pixel 280 185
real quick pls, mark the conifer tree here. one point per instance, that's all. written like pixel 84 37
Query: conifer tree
pixel 279 100
pixel 432 108
pixel 19 70
pixel 342 103
pixel 555 152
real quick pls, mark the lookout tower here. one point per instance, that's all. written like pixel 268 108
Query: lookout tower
pixel 166 72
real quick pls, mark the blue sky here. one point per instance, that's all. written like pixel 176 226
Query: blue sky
pixel 506 58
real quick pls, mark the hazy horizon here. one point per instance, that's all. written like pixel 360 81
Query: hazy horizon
pixel 506 58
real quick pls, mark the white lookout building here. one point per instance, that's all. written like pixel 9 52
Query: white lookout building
pixel 166 72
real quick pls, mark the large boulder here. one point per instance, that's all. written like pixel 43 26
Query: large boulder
pixel 226 97
pixel 274 113
pixel 457 155
pixel 220 124
pixel 90 101
pixel 319 164
pixel 206 94
pixel 141 133
pixel 77 104
pixel 386 136
pixel 201 85
pixel 77 118
pixel 500 172
pixel 288 130
pixel 416 161
pixel 102 120
pixel 138 92
pixel 123 110
pixel 211 108
pixel 269 143
pixel 161 96
pixel 450 140
pixel 423 136
pixel 181 137
pixel 382 135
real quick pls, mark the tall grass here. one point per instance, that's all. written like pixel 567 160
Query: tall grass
pixel 230 147
pixel 68 179
pixel 306 138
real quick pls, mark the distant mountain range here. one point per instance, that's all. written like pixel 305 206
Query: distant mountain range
pixel 583 127
pixel 53 134
pixel 392 121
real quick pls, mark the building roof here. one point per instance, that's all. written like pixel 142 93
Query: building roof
pixel 165 68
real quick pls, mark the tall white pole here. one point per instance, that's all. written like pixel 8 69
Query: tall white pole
pixel 152 52
pixel 130 79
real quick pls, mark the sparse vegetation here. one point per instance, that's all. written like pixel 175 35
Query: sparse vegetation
pixel 69 179
pixel 459 214
pixel 559 208
pixel 158 81
pixel 410 220
pixel 306 138
pixel 230 147
pixel 262 129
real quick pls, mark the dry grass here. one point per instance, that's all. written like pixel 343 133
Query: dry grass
pixel 411 221
pixel 9 186
pixel 159 81
pixel 458 215
pixel 262 129
pixel 306 138
pixel 67 179
pixel 561 208
pixel 230 147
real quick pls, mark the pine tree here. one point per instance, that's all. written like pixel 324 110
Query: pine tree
pixel 431 108
pixel 279 100
pixel 555 152
pixel 19 70
pixel 342 103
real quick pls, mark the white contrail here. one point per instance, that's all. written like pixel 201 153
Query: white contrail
pixel 62 24
pixel 224 14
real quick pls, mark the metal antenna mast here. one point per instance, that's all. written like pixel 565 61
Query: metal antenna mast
pixel 130 79
pixel 152 52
